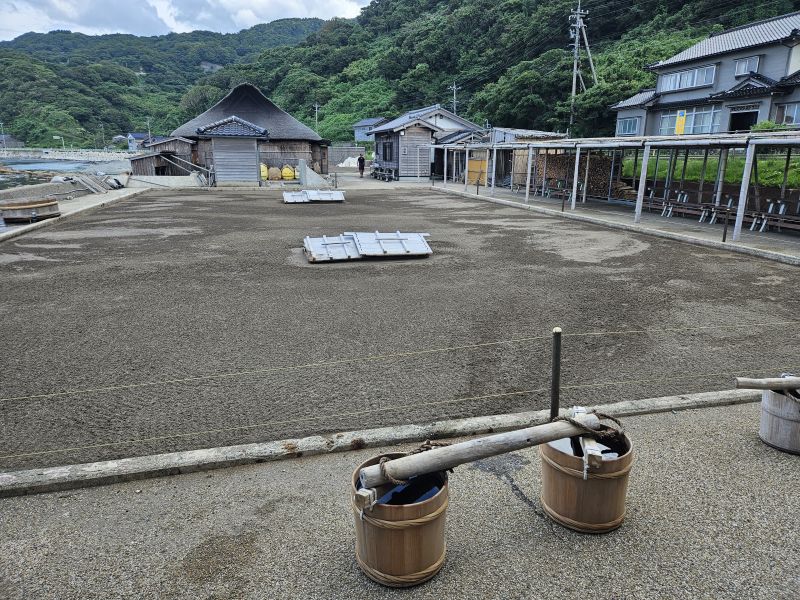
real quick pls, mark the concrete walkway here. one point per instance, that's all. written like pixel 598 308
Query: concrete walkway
pixel 71 207
pixel 712 513
pixel 775 246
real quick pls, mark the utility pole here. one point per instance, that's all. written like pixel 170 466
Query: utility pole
pixel 455 89
pixel 316 117
pixel 3 136
pixel 103 133
pixel 577 33
pixel 149 135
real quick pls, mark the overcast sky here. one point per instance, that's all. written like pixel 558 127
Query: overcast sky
pixel 155 17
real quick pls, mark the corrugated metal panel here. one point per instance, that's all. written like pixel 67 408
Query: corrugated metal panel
pixel 746 36
pixel 235 160
pixel 325 195
pixel 313 196
pixel 327 248
pixel 295 197
pixel 390 244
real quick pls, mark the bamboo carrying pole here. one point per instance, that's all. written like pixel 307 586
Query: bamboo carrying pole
pixel 775 383
pixel 442 459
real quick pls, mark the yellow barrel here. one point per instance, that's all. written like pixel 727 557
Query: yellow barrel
pixel 287 172
pixel 593 505
pixel 264 171
pixel 400 545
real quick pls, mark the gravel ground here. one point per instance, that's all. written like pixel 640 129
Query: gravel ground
pixel 712 513
pixel 185 284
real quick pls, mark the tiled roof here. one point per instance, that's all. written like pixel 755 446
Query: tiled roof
pixel 233 126
pixel 638 99
pixel 792 79
pixel 369 122
pixel 246 102
pixel 747 36
pixel 456 136
pixel 414 115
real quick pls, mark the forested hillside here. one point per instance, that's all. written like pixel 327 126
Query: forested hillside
pixel 511 59
pixel 64 83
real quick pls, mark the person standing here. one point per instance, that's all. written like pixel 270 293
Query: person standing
pixel 361 163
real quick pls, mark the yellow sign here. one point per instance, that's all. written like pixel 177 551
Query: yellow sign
pixel 680 122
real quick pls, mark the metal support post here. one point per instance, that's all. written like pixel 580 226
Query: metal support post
pixel 637 217
pixel 444 181
pixel 740 210
pixel 575 176
pixel 528 176
pixel 720 181
pixel 555 377
pixel 494 166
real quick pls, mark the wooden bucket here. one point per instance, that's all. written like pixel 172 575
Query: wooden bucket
pixel 596 505
pixel 400 545
pixel 780 421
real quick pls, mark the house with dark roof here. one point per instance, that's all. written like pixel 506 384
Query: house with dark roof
pixel 361 129
pixel 245 130
pixel 724 83
pixel 403 145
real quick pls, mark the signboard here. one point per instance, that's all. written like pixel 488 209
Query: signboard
pixel 680 122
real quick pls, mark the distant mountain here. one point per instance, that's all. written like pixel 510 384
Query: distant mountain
pixel 64 83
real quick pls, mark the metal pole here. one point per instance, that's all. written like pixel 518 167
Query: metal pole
pixel 611 174
pixel 528 176
pixel 513 163
pixel 544 171
pixel 445 168
pixel 494 166
pixel 785 172
pixel 419 160
pixel 575 176
pixel 740 210
pixel 702 177
pixel 636 180
pixel 637 217
pixel 3 136
pixel 720 181
pixel 683 171
pixel 673 155
pixel 586 176
pixel 655 171
pixel 725 229
pixel 555 377
pixel 466 168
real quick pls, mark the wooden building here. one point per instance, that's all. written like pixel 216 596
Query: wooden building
pixel 239 133
pixel 171 156
pixel 404 145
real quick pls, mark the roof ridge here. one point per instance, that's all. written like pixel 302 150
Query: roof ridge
pixel 754 23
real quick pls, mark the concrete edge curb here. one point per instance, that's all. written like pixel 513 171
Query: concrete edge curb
pixel 9 235
pixel 728 246
pixel 51 479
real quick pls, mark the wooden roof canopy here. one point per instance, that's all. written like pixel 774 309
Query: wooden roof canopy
pixel 252 111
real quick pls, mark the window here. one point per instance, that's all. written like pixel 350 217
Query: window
pixel 788 114
pixel 387 152
pixel 745 65
pixel 628 126
pixel 688 79
pixel 700 119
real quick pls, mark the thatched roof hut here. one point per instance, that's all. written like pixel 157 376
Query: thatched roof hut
pixel 246 129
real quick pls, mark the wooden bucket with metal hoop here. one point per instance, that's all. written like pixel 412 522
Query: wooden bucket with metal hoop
pixel 400 545
pixel 593 505
pixel 780 420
